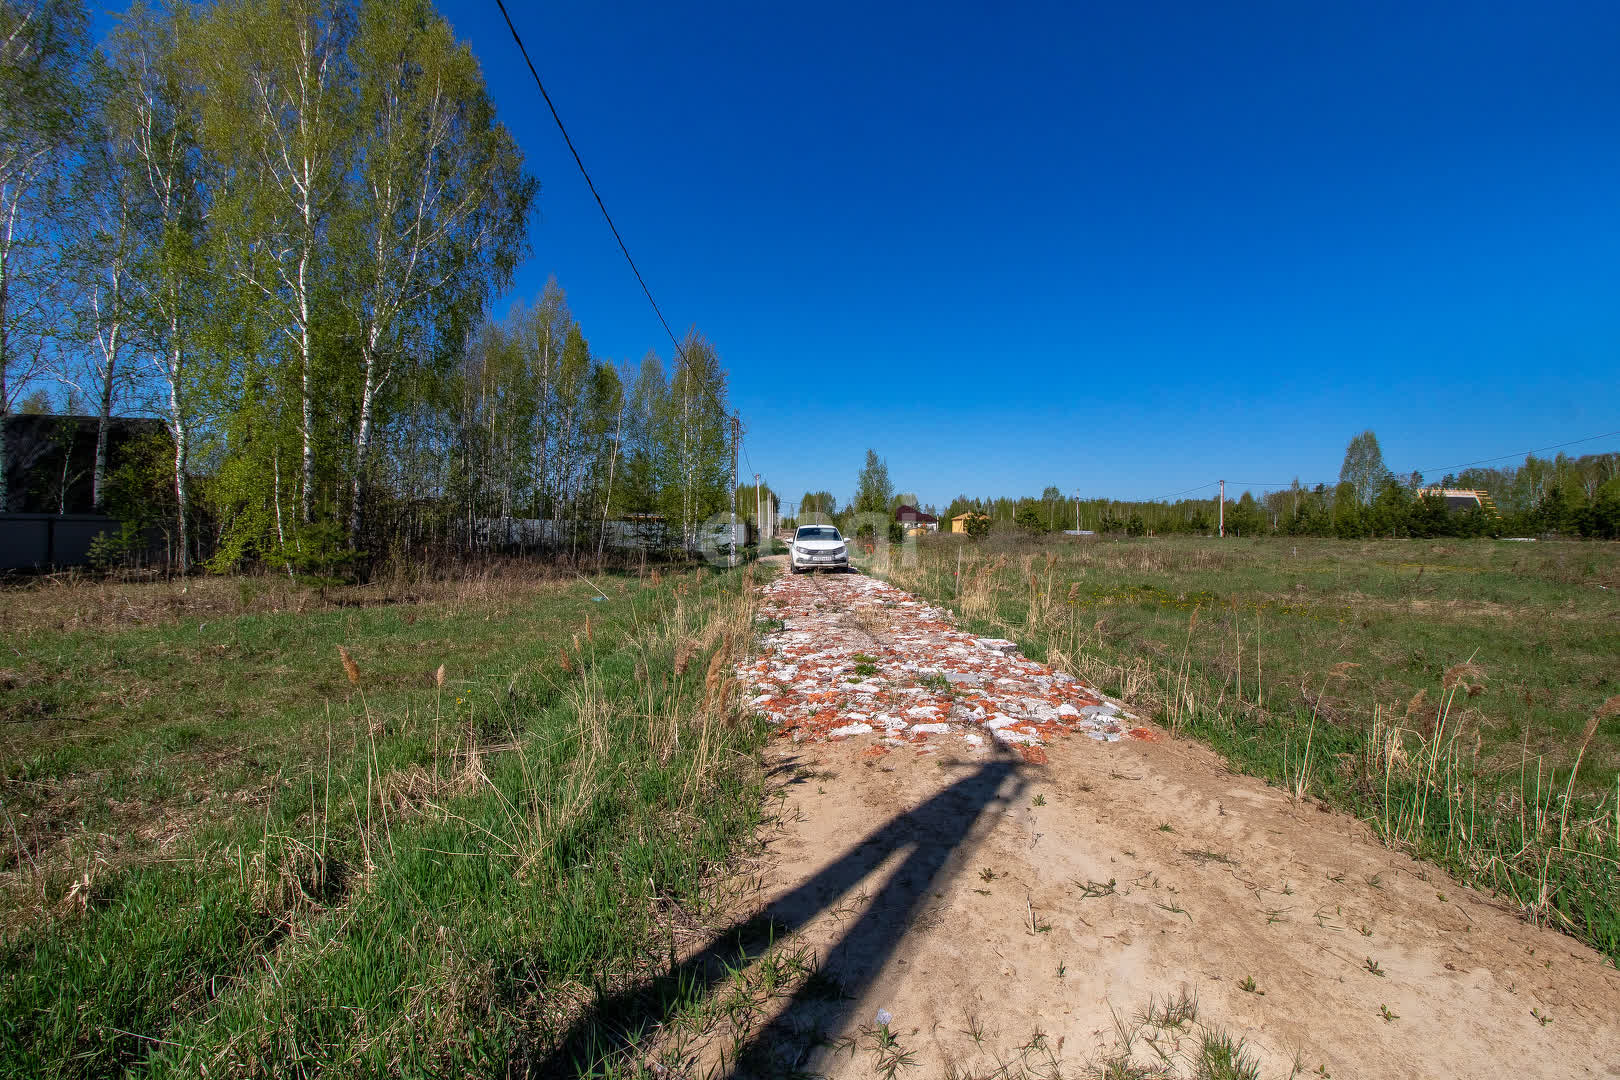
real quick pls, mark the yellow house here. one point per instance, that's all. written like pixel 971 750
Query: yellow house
pixel 959 522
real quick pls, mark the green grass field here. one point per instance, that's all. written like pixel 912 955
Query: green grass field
pixel 228 851
pixel 1444 691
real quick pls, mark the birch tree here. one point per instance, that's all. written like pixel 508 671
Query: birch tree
pixel 105 234
pixel 696 432
pixel 42 48
pixel 439 219
pixel 1364 467
pixel 279 119
pixel 640 465
pixel 150 115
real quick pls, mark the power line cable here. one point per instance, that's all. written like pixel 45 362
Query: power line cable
pixel 1526 453
pixel 1173 494
pixel 600 205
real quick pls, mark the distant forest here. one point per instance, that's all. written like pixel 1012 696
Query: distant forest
pixel 1563 496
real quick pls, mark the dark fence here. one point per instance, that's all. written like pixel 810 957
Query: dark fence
pixel 42 541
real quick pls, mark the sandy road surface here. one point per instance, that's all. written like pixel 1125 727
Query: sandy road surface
pixel 1018 911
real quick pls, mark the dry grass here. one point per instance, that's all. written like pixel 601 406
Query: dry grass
pixel 421 755
pixel 76 600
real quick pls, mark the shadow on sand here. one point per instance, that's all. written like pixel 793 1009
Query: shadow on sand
pixel 924 838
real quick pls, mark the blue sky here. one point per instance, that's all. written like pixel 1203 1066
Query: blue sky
pixel 1124 248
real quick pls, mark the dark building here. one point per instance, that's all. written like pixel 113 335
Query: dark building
pixel 51 460
pixel 50 479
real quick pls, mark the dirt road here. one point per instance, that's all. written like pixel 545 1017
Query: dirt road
pixel 990 888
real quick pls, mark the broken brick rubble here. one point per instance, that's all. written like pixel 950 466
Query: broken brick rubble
pixel 855 656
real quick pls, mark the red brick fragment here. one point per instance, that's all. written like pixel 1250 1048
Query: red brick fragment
pixel 1146 734
pixel 1034 755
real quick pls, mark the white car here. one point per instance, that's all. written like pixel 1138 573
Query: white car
pixel 818 547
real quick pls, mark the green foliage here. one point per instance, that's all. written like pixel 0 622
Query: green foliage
pixel 320 555
pixel 109 550
pixel 1364 469
pixel 1600 518
pixel 137 495
pixel 1220 1057
pixel 1246 517
pixel 817 502
pixel 1053 503
pixel 873 489
pixel 319 201
pixel 961 505
pixel 978 526
pixel 1029 518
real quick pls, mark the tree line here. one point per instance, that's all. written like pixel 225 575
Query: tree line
pixel 1562 495
pixel 278 225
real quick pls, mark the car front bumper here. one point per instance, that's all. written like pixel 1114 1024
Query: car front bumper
pixel 820 562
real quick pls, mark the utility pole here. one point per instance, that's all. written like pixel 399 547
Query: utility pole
pixel 1077 510
pixel 736 436
pixel 1223 508
pixel 759 514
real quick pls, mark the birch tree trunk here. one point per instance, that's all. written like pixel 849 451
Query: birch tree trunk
pixel 98 474
pixel 607 497
pixel 5 391
pixel 362 439
pixel 151 119
pixel 179 431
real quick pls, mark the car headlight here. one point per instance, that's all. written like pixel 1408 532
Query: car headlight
pixel 801 550
pixel 841 550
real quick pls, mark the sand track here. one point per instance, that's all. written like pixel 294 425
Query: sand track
pixel 1014 910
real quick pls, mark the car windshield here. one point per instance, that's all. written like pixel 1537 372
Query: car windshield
pixel 823 532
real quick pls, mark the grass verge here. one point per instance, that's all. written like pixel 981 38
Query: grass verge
pixel 237 849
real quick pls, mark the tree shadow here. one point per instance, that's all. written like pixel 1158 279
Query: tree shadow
pixel 925 837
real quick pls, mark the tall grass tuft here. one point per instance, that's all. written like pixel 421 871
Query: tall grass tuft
pixel 350 669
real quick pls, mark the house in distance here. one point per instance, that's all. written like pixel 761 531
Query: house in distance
pixel 914 521
pixel 1459 500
